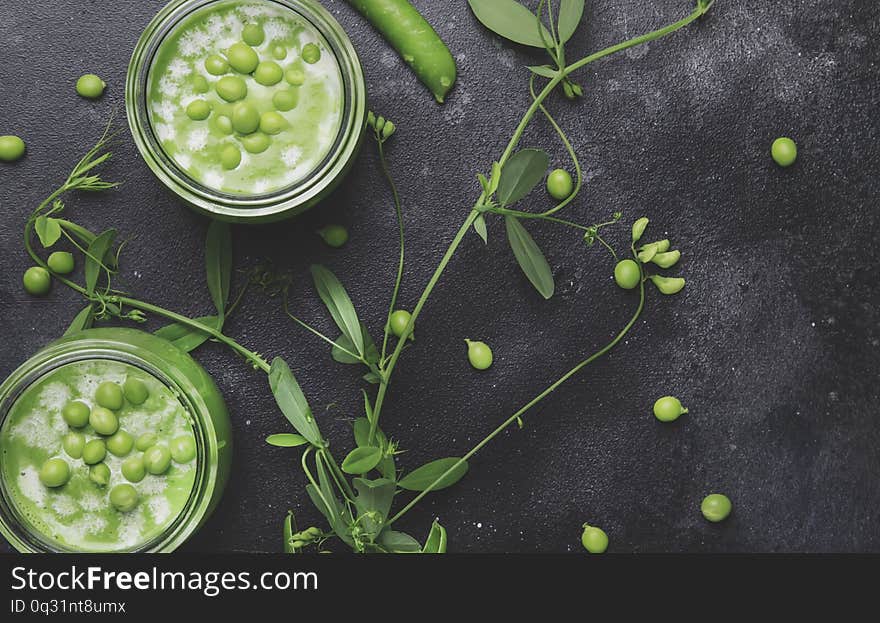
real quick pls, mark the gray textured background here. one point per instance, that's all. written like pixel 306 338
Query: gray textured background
pixel 774 345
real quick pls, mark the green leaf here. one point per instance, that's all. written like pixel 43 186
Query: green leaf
pixel 511 20
pixel 374 497
pixel 372 378
pixel 341 517
pixel 187 338
pixel 436 541
pixel 339 305
pixel 96 252
pixel 288 533
pixel 362 434
pixel 480 228
pixel 83 320
pixel 292 401
pixel 218 264
pixel 48 230
pixel 524 171
pixel 387 468
pixel 427 474
pixel 545 71
pixel 343 342
pixel 286 440
pixel 529 257
pixel 361 460
pixel 570 14
pixel 399 542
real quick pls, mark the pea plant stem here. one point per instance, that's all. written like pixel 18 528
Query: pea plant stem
pixel 401 234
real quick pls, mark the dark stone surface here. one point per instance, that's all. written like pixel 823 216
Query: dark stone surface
pixel 774 345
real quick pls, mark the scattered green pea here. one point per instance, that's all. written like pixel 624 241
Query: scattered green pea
pixel 110 395
pixel 135 390
pixel 124 497
pixel 61 262
pixel 627 274
pixel 716 507
pixel 295 76
pixel 242 58
pixel 183 449
pixel 198 110
pixel 104 421
pixel 594 539
pixel 55 473
pixel 201 84
pixel 245 118
pixel 231 88
pixel 223 124
pixel 256 143
pixel 76 414
pixel 230 157
pixel 668 259
pixel 336 236
pixel 157 459
pixel 279 52
pixel 668 285
pixel 120 444
pixel 399 321
pixel 638 229
pixel 272 123
pixel 37 281
pixel 133 468
pixel 73 444
pixel 145 441
pixel 285 100
pixel 100 474
pixel 479 354
pixel 94 452
pixel 268 73
pixel 311 53
pixel 784 151
pixel 216 65
pixel 253 34
pixel 12 148
pixel 559 184
pixel 90 86
pixel 668 409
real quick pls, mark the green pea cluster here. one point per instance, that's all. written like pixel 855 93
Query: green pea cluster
pixel 628 274
pixel 253 128
pixel 306 537
pixel 152 457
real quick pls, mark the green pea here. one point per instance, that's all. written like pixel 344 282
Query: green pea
pixel 183 449
pixel 223 124
pixel 279 52
pixel 55 473
pixel 399 321
pixel 336 236
pixel 73 444
pixel 37 281
pixel 311 53
pixel 479 354
pixel 256 143
pixel 295 76
pixel 716 507
pixel 559 184
pixel 272 123
pixel 638 229
pixel 230 157
pixel 594 539
pixel 245 118
pixel 11 148
pixel 201 84
pixel 146 440
pixel 110 395
pixel 268 73
pixel 157 459
pixel 120 444
pixel 135 390
pixel 668 285
pixel 100 474
pixel 104 421
pixel 242 58
pixel 124 497
pixel 668 409
pixel 90 86
pixel 784 151
pixel 61 262
pixel 94 452
pixel 133 468
pixel 216 65
pixel 627 274
pixel 231 88
pixel 285 100
pixel 199 110
pixel 667 260
pixel 253 34
pixel 76 414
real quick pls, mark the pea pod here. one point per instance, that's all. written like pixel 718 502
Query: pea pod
pixel 667 260
pixel 668 285
pixel 662 246
pixel 638 229
pixel 414 39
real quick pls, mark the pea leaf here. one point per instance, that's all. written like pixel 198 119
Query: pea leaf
pixel 292 401
pixel 48 230
pixel 187 338
pixel 511 20
pixel 529 257
pixel 81 233
pixel 83 320
pixel 374 500
pixel 218 264
pixel 524 171
pixel 339 305
pixel 427 474
pixel 436 541
pixel 286 440
pixel 399 542
pixel 570 14
pixel 361 460
pixel 362 434
pixel 96 252
pixel 372 378
pixel 343 342
pixel 287 533
pixel 480 228
pixel 341 516
pixel 545 71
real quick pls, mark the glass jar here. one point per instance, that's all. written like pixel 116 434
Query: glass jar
pixel 182 376
pixel 249 208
